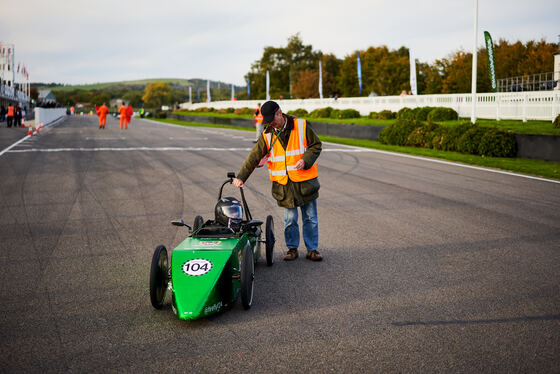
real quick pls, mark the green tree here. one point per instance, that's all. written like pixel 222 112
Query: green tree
pixel 100 99
pixel 157 94
pixel 283 65
pixel 134 98
pixel 384 71
pixel 306 84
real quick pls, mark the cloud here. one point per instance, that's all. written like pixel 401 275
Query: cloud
pixel 81 42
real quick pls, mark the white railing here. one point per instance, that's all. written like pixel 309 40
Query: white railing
pixel 539 105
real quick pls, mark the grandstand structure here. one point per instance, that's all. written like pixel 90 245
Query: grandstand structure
pixel 534 82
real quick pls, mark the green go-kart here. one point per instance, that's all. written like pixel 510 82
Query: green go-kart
pixel 215 263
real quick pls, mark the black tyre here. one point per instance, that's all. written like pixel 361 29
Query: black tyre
pixel 159 277
pixel 198 221
pixel 269 240
pixel 247 277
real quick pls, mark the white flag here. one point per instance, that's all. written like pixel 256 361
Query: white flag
pixel 320 81
pixel 412 73
pixel 267 85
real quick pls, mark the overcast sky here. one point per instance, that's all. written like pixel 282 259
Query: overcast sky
pixel 79 41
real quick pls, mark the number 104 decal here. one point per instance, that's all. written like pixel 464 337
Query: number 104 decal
pixel 196 267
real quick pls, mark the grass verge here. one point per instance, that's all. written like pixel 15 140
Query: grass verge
pixel 517 126
pixel 546 169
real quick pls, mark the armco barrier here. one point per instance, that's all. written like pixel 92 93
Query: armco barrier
pixel 540 147
pixel 48 115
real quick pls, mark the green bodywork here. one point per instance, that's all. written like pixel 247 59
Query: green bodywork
pixel 202 295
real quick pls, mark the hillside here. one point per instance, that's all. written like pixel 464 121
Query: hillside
pixel 135 85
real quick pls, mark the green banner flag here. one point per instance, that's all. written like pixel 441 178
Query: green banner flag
pixel 491 64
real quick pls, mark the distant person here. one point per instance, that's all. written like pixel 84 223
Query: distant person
pixel 129 113
pixel 10 115
pixel 122 111
pixel 102 113
pixel 258 122
pixel 141 111
pixel 3 112
pixel 17 116
pixel 72 110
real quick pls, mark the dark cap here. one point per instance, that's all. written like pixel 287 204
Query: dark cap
pixel 268 110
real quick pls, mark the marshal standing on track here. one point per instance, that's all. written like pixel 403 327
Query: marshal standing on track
pixel 292 149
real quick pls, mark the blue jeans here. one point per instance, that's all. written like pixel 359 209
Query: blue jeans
pixel 310 226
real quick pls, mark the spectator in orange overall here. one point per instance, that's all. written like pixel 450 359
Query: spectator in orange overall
pixel 122 111
pixel 258 122
pixel 102 113
pixel 129 112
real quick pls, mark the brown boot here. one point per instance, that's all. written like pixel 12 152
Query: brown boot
pixel 314 256
pixel 291 255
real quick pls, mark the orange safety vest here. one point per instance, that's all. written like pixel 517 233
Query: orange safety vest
pixel 258 117
pixel 10 111
pixel 281 162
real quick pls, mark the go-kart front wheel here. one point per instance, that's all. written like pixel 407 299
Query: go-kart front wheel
pixel 247 277
pixel 269 240
pixel 159 277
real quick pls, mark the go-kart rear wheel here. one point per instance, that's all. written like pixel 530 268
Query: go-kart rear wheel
pixel 269 240
pixel 159 277
pixel 247 277
pixel 198 221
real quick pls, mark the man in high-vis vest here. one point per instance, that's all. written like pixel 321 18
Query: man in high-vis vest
pixel 291 148
pixel 258 122
pixel 10 115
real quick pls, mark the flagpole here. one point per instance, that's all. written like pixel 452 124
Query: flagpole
pixel 473 88
pixel 267 86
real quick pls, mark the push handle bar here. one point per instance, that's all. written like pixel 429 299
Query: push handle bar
pixel 230 176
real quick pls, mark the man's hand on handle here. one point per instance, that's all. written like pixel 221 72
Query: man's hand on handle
pixel 238 183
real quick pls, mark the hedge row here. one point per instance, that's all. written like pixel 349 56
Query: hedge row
pixel 327 112
pixel 557 122
pixel 464 138
pixel 244 110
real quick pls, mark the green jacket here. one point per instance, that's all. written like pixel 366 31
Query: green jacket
pixel 292 194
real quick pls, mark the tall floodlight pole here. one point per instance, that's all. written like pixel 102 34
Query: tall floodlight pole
pixel 190 94
pixel 474 58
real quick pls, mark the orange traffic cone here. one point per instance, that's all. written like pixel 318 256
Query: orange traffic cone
pixel 22 122
pixel 30 131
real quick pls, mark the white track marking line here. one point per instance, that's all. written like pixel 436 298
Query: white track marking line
pixel 13 145
pixel 28 136
pixel 117 149
pixel 448 163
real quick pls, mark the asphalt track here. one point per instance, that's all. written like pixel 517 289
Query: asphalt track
pixel 429 267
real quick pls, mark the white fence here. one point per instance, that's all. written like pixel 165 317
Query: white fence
pixel 48 115
pixel 540 105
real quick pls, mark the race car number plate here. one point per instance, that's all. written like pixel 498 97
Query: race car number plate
pixel 197 267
